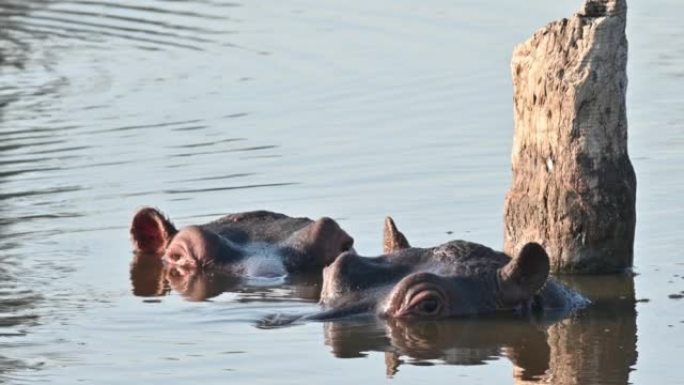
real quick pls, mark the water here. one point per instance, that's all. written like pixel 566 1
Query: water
pixel 354 110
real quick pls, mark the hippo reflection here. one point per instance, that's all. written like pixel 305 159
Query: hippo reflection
pixel 151 277
pixel 454 342
pixel 249 244
pixel 457 278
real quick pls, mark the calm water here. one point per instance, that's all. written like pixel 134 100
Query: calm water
pixel 349 109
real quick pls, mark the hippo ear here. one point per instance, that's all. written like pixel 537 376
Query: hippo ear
pixel 325 240
pixel 524 275
pixel 151 231
pixel 393 239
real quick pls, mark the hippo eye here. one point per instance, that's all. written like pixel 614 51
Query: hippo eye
pixel 425 303
pixel 421 295
pixel 428 306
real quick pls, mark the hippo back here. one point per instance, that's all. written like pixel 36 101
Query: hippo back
pixel 257 226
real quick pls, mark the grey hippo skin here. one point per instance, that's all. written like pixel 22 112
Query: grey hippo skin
pixel 249 244
pixel 455 279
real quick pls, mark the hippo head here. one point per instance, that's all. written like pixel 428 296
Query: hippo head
pixel 258 243
pixel 455 279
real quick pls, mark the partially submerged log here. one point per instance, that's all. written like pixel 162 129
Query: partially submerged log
pixel 573 187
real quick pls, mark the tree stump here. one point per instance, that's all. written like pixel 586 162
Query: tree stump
pixel 573 187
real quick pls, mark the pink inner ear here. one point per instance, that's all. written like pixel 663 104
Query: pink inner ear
pixel 149 234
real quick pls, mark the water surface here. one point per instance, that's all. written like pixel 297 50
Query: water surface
pixel 348 109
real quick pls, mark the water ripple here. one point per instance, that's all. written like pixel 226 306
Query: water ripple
pixel 226 188
pixel 207 144
pixel 218 177
pixel 90 20
pixel 144 126
pixel 48 191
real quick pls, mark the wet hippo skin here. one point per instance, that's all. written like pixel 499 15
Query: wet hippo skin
pixel 249 244
pixel 458 278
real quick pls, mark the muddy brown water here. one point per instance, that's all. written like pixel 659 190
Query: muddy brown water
pixel 349 109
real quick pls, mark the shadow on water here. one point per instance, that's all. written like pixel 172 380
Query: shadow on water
pixel 596 346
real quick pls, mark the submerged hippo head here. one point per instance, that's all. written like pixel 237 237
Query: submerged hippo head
pixel 257 243
pixel 457 278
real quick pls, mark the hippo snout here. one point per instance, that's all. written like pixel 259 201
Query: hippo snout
pixel 195 246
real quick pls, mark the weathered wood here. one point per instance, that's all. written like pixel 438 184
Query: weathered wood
pixel 573 187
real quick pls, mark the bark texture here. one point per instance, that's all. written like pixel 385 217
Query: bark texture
pixel 573 187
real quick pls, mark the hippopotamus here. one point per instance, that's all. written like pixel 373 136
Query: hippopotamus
pixel 247 244
pixel 455 279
